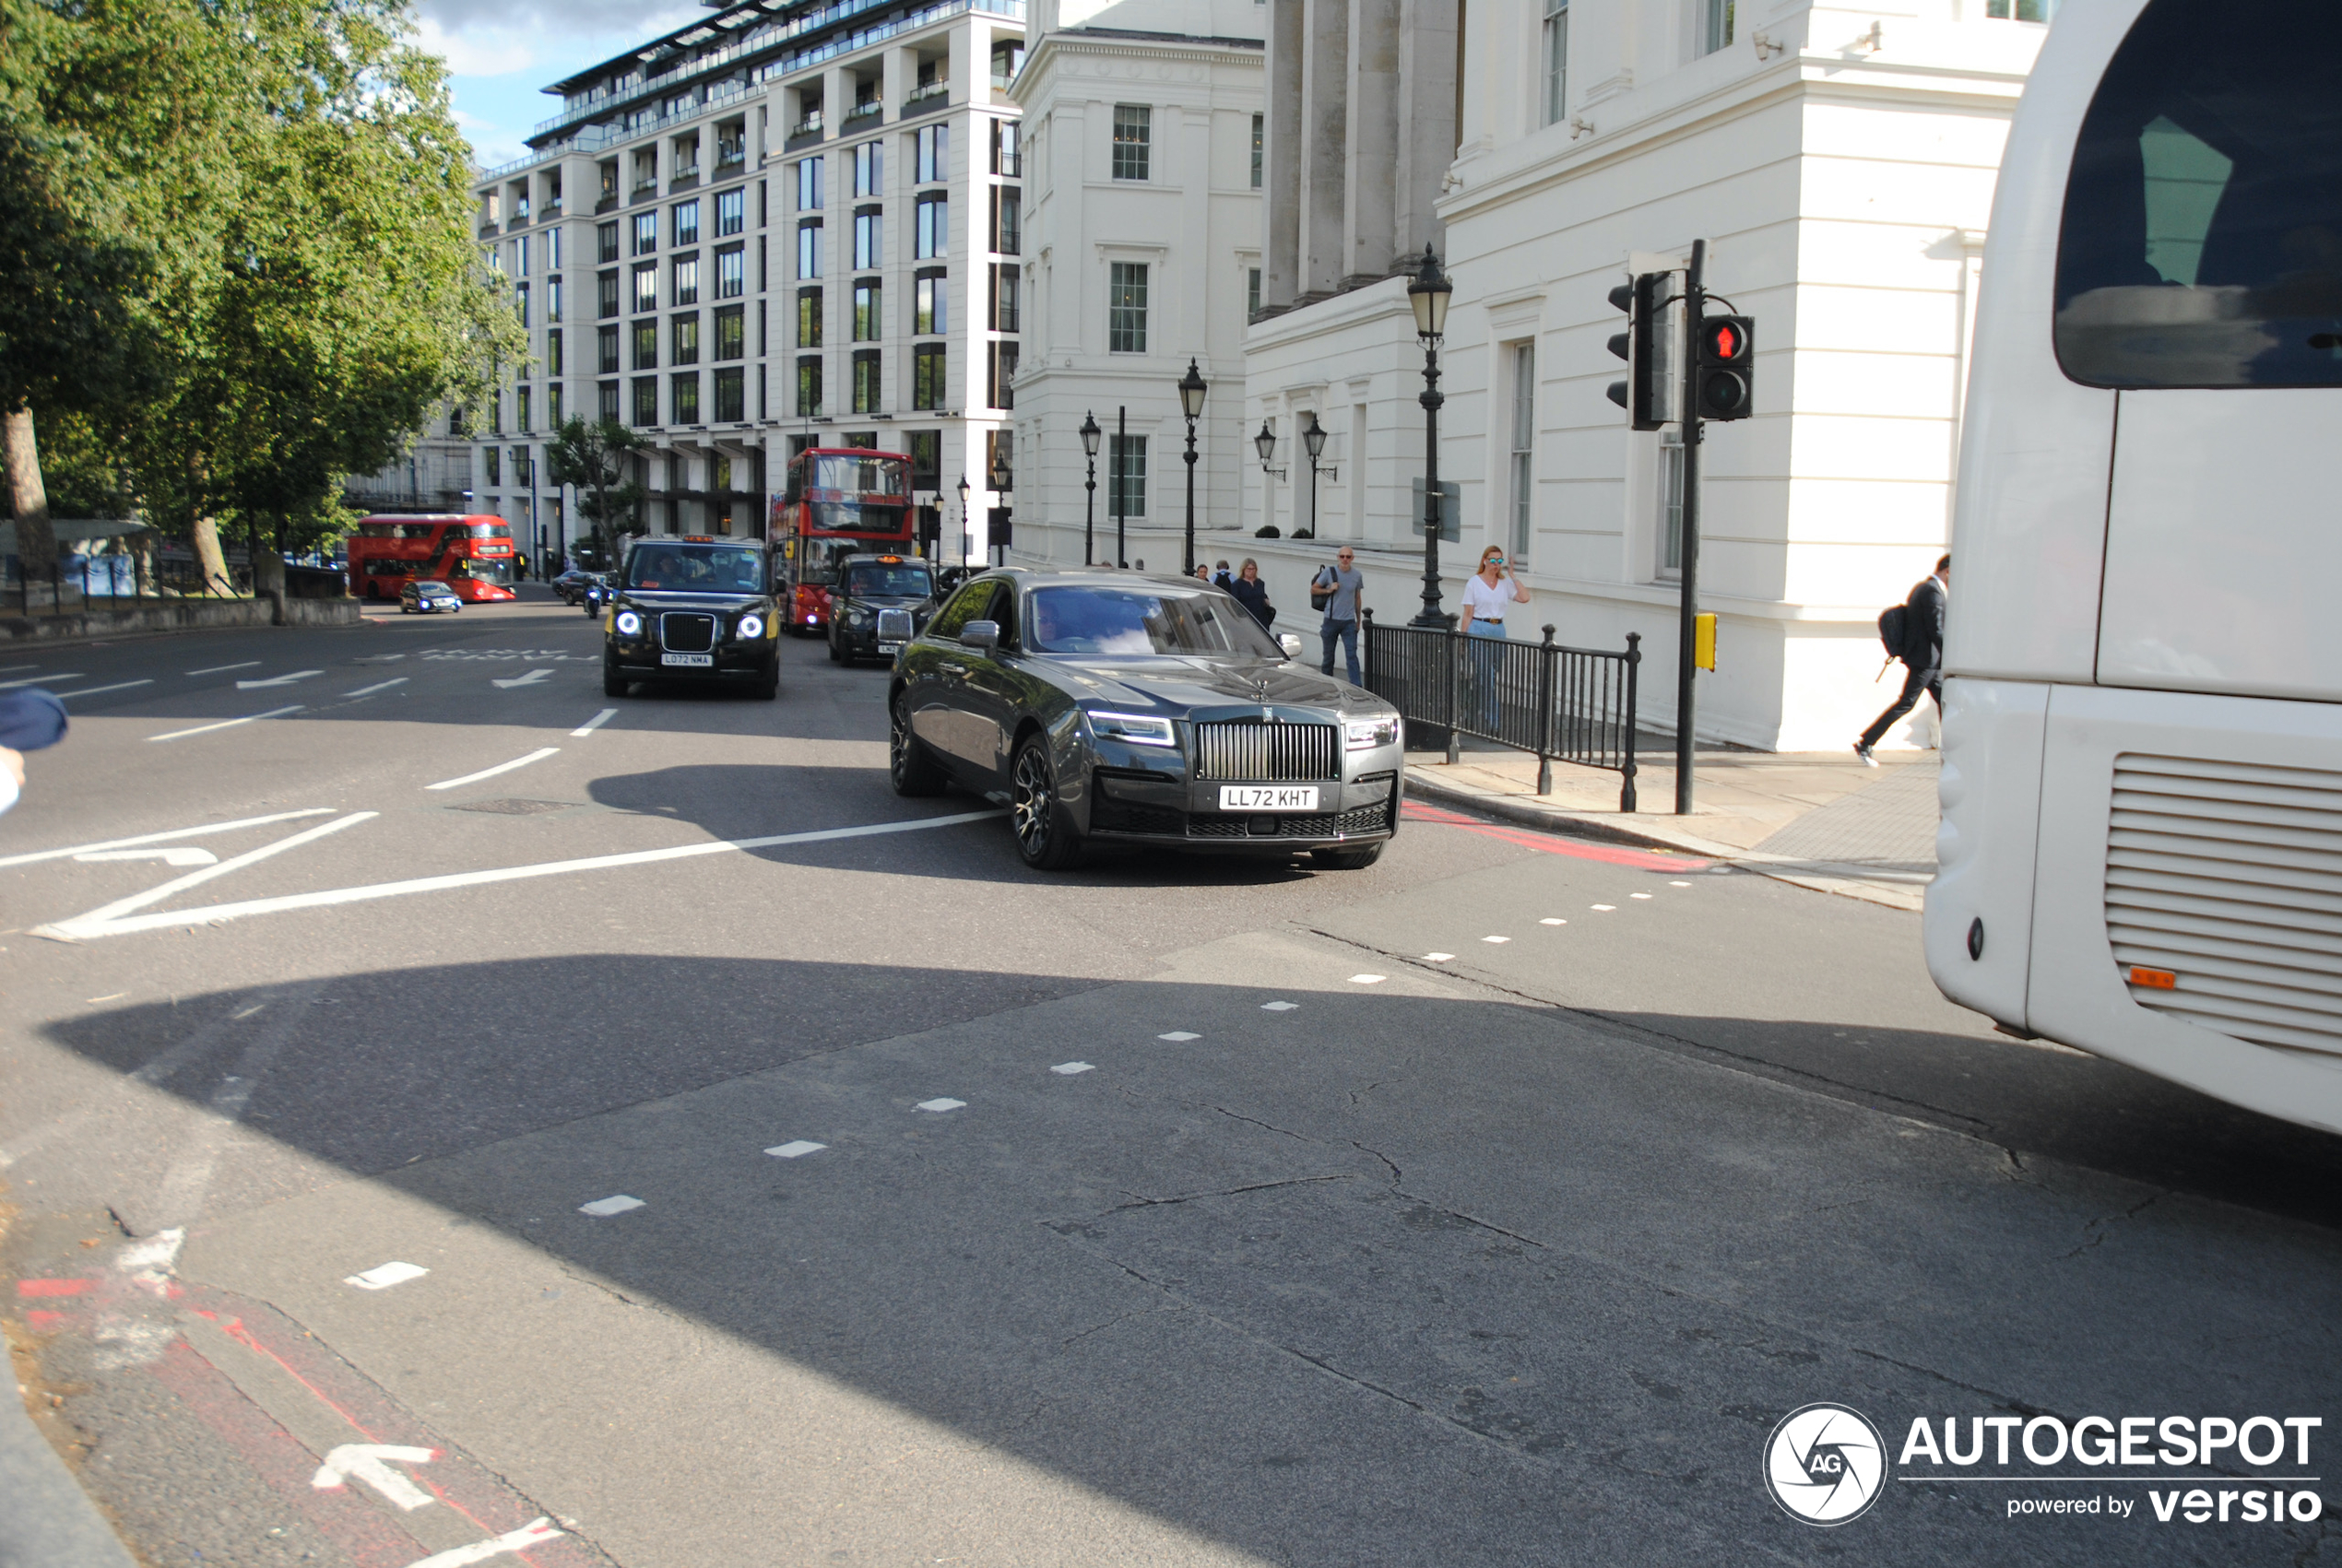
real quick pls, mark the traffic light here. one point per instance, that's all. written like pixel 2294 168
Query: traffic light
pixel 1643 393
pixel 1725 374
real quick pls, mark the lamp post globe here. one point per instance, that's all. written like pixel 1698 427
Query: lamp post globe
pixel 1265 443
pixel 1191 390
pixel 1091 431
pixel 1429 293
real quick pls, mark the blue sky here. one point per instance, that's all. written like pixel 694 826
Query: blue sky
pixel 502 51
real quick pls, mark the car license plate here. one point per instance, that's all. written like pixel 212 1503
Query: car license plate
pixel 1268 798
pixel 890 647
pixel 701 661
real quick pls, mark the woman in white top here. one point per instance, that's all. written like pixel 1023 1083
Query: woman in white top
pixel 1487 595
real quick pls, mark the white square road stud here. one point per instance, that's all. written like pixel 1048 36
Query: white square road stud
pixel 1638 895
pixel 383 1276
pixel 1496 938
pixel 1437 958
pixel 1368 979
pixel 1069 1068
pixel 1550 921
pixel 940 1106
pixel 797 1149
pixel 1606 908
pixel 603 1208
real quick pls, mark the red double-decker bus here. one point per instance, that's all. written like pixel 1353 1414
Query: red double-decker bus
pixel 839 501
pixel 471 555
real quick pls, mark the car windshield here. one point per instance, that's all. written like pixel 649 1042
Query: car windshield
pixel 428 587
pixel 1131 620
pixel 695 569
pixel 880 580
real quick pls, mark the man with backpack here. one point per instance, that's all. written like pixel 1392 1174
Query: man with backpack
pixel 1337 590
pixel 1913 632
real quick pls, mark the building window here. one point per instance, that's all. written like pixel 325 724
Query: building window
pixel 645 233
pixel 524 471
pixel 732 396
pixel 646 169
pixel 1259 133
pixel 930 303
pixel 1008 58
pixel 926 375
pixel 1008 157
pixel 809 318
pixel 1251 292
pixel 683 399
pixel 1719 24
pixel 865 238
pixel 731 212
pixel 1671 502
pixel 866 311
pixel 866 381
pixel 1524 440
pixel 606 294
pixel 645 286
pixel 520 302
pixel 495 455
pixel 927 460
pixel 609 401
pixel 1557 50
pixel 731 333
pixel 809 388
pixel 606 237
pixel 1125 475
pixel 869 169
pixel 554 407
pixel 934 233
pixel 686 280
pixel 646 400
pixel 934 158
pixel 809 248
pixel 521 407
pixel 687 156
pixel 731 271
pixel 686 223
pixel 2018 10
pixel 553 353
pixel 553 236
pixel 495 413
pixel 607 346
pixel 809 184
pixel 1004 301
pixel 684 334
pixel 1007 213
pixel 1134 137
pixel 998 374
pixel 1126 317
pixel 520 254
pixel 646 345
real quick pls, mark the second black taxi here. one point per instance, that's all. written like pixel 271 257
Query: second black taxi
pixel 879 603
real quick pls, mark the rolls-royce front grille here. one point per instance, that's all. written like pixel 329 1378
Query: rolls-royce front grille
pixel 1254 752
pixel 687 633
pixel 2224 882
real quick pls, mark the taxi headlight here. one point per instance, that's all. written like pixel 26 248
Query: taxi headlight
pixel 752 626
pixel 858 617
pixel 1138 729
pixel 629 624
pixel 1366 735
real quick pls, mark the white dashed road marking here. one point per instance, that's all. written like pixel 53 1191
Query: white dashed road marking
pixel 36 680
pixel 94 691
pixel 1679 884
pixel 1496 938
pixel 382 1276
pixel 228 723
pixel 602 1208
pixel 537 756
pixel 940 1106
pixel 597 721
pixel 795 1150
pixel 379 686
pixel 176 854
pixel 1437 958
pixel 1069 1068
pixel 277 679
pixel 1278 1006
pixel 1179 1035
pixel 1638 895
pixel 1549 920
pixel 1368 979
pixel 1605 907
pixel 223 669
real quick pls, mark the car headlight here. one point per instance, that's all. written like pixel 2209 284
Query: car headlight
pixel 629 624
pixel 752 626
pixel 1138 729
pixel 1366 735
pixel 858 617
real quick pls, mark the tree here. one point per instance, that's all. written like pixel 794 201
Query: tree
pixel 593 457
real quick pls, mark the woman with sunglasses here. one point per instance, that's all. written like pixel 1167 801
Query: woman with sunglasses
pixel 1488 593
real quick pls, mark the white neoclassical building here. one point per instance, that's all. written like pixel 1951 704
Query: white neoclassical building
pixel 1143 158
pixel 1840 164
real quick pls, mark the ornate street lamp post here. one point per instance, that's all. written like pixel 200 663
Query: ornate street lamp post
pixel 1313 442
pixel 1191 390
pixel 1003 480
pixel 1090 433
pixel 964 519
pixel 1429 293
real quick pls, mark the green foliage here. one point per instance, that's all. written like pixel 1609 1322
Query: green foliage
pixel 592 456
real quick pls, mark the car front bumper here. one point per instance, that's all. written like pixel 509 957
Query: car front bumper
pixel 1173 810
pixel 734 661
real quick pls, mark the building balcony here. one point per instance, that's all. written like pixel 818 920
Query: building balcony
pixel 861 117
pixel 932 96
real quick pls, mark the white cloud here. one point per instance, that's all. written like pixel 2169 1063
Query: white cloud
pixel 501 53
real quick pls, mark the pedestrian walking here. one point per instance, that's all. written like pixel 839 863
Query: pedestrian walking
pixel 1338 590
pixel 29 720
pixel 1251 593
pixel 1913 632
pixel 1487 595
pixel 1220 576
pixel 1202 571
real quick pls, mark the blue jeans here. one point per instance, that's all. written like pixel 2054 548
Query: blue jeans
pixel 1348 632
pixel 1481 674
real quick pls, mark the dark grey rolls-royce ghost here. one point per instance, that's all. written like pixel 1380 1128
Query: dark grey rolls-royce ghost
pixel 1109 707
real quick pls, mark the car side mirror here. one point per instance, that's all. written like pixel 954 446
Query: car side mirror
pixel 983 634
pixel 1291 645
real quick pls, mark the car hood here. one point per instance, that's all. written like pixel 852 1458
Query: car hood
pixel 889 601
pixel 711 604
pixel 1208 683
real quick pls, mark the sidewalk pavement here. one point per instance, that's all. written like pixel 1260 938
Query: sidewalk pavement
pixel 1821 820
pixel 46 1520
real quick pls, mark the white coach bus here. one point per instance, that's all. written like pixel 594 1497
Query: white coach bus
pixel 2141 851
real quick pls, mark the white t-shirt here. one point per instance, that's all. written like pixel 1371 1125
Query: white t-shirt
pixel 1484 602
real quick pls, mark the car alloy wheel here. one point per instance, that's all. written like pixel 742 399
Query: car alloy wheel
pixel 1033 804
pixel 908 767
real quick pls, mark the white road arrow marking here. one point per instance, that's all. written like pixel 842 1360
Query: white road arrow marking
pixel 208 827
pixel 365 1462
pixel 277 679
pixel 537 1532
pixel 177 854
pixel 531 678
pixel 96 922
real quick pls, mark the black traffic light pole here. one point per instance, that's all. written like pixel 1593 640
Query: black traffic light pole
pixel 1695 308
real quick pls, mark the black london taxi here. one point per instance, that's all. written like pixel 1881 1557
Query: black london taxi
pixel 694 607
pixel 879 603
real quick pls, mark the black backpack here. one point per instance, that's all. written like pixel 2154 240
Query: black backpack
pixel 1894 629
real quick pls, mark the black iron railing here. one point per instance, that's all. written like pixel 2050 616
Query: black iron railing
pixel 1564 704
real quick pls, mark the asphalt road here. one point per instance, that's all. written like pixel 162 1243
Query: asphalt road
pixel 1490 1206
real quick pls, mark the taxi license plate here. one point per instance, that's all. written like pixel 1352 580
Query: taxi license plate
pixel 702 661
pixel 890 647
pixel 1268 798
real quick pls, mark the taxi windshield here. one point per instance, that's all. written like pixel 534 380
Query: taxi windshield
pixel 695 569
pixel 886 580
pixel 1125 620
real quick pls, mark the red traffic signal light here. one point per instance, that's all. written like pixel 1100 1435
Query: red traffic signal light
pixel 1725 372
pixel 1724 340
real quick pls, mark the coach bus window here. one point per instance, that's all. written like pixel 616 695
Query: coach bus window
pixel 2202 238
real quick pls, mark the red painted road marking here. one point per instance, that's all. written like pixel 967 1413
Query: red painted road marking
pixel 1551 843
pixel 53 1287
pixel 44 1322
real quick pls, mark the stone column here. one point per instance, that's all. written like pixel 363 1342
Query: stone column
pixel 1371 147
pixel 1281 158
pixel 1429 113
pixel 1325 89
